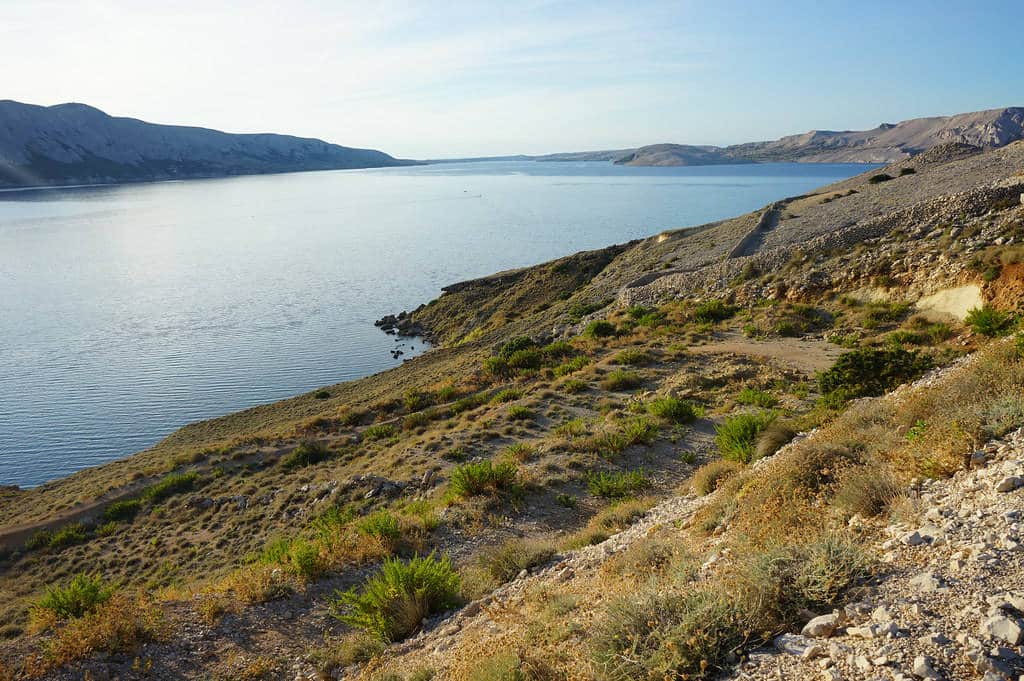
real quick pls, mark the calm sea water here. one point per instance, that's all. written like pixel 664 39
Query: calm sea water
pixel 129 311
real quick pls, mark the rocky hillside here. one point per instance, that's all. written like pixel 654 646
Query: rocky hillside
pixel 887 143
pixel 77 144
pixel 783 445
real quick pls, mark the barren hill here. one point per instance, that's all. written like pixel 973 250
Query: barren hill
pixel 78 144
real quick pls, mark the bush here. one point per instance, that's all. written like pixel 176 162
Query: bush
pixel 380 525
pixel 169 486
pixel 599 328
pixel 525 359
pixel 515 345
pixel 520 451
pixel 518 412
pixel 737 435
pixel 907 171
pixel 989 321
pixel 122 510
pixel 117 626
pixel 305 454
pixel 297 556
pixel 616 485
pixel 639 431
pixel 507 395
pixel 321 395
pixel 878 179
pixel 418 420
pixel 392 604
pixel 379 431
pixel 868 372
pixel 674 409
pixel 572 366
pixel 579 310
pixel 621 380
pixel 632 358
pixel 83 594
pixel 558 350
pixel 757 398
pixel 504 562
pixel 711 311
pixel 497 367
pixel 710 476
pixel 484 477
pixel 573 386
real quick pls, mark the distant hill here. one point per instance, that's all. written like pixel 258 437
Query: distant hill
pixel 678 155
pixel 888 143
pixel 79 144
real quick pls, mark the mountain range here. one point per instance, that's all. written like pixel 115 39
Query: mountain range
pixel 79 144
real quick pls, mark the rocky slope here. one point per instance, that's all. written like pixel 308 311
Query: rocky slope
pixel 78 144
pixel 596 388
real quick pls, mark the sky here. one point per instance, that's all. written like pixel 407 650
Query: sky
pixel 447 79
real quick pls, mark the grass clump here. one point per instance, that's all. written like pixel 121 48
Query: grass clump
pixel 123 510
pixel 379 431
pixel 618 485
pixel 503 563
pixel 382 526
pixel 872 371
pixel 518 412
pixel 879 178
pixel 82 595
pixel 572 366
pixel 775 435
pixel 306 454
pixel 757 398
pixel 573 386
pixel 632 358
pixel 507 395
pixel 989 321
pixel 483 477
pixel 710 476
pixel 392 604
pixel 868 491
pixel 639 431
pixel 620 380
pixel 674 409
pixel 175 483
pixel 736 436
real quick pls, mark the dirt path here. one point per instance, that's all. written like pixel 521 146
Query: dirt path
pixel 807 355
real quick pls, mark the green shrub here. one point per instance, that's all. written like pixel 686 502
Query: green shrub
pixel 737 435
pixel 711 475
pixel 517 344
pixel 68 535
pixel 566 500
pixel 497 367
pixel 525 359
pixel 415 401
pixel 620 380
pixel 558 350
pixel 122 510
pixel 520 451
pixel 392 604
pixel 466 403
pixel 298 556
pixel 757 398
pixel 879 178
pixel 617 485
pixel 80 596
pixel 321 395
pixel 907 171
pixel 674 409
pixel 870 371
pixel 711 311
pixel 579 310
pixel 381 525
pixel 484 477
pixel 572 366
pixel 169 486
pixel 989 321
pixel 418 420
pixel 639 431
pixel 573 386
pixel 507 395
pixel 305 454
pixel 379 431
pixel 632 358
pixel 571 429
pixel 599 328
pixel 506 561
pixel 518 412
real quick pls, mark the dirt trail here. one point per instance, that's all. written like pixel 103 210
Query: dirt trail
pixel 804 354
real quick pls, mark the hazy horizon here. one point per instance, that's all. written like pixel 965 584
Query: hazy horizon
pixel 461 80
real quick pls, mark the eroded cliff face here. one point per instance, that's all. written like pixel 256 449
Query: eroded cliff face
pixel 78 144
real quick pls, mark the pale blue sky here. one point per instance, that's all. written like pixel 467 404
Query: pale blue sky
pixel 433 79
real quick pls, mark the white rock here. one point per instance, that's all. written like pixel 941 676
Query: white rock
pixel 822 626
pixel 1009 484
pixel 923 668
pixel 1003 628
